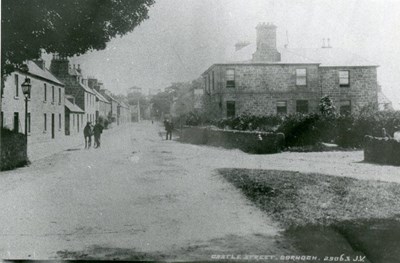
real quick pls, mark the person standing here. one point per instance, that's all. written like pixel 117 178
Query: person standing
pixel 97 131
pixel 169 127
pixel 87 133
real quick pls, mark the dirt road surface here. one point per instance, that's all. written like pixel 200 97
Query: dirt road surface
pixel 141 197
pixel 138 197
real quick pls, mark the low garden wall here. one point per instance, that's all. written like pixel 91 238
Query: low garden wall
pixel 381 150
pixel 247 141
pixel 13 150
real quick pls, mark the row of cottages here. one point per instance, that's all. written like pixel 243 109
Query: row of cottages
pixel 287 81
pixel 61 101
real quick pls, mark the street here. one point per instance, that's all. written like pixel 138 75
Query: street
pixel 138 197
pixel 142 197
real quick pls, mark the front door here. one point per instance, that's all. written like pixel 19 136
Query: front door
pixel 52 126
pixel 16 121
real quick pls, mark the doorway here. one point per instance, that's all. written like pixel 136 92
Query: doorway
pixel 52 126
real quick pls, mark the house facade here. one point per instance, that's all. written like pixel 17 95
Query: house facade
pixel 73 117
pixel 45 117
pixel 103 105
pixel 289 81
pixel 76 86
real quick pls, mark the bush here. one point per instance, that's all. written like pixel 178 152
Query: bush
pixel 312 129
pixel 13 150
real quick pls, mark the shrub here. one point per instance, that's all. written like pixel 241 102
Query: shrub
pixel 13 150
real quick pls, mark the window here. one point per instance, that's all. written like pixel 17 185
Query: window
pixel 344 78
pixel 45 92
pixel 59 95
pixel 302 106
pixel 52 94
pixel 16 121
pixel 212 80
pixel 2 120
pixel 29 122
pixel 281 107
pixel 2 89
pixel 301 77
pixel 45 122
pixel 230 78
pixel 209 83
pixel 230 109
pixel 16 82
pixel 59 121
pixel 345 107
pixel 73 120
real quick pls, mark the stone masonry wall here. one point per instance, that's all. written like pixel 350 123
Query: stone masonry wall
pixel 363 88
pixel 259 86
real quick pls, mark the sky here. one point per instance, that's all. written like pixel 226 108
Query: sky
pixel 182 38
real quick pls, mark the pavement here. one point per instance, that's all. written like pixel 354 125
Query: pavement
pixel 140 197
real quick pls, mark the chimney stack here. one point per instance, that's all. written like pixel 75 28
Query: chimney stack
pixel 266 44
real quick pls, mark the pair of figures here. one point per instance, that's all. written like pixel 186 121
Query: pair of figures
pixel 89 130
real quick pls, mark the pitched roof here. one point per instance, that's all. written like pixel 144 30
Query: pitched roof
pixel 73 107
pixel 86 88
pixel 35 70
pixel 326 57
pixel 100 96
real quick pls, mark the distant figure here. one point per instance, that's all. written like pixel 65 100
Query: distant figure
pixel 97 131
pixel 385 134
pixel 169 126
pixel 87 132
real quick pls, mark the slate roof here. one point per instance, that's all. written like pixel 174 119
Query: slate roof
pixel 100 96
pixel 326 57
pixel 73 107
pixel 35 70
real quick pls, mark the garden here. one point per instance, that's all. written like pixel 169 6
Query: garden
pixel 309 131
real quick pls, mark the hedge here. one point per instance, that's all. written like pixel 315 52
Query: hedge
pixel 13 150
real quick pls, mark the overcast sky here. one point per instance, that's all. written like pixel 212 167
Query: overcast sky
pixel 182 38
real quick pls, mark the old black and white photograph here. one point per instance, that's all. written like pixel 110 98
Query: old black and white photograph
pixel 200 131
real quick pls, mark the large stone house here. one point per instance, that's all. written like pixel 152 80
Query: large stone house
pixel 45 117
pixel 76 86
pixel 286 81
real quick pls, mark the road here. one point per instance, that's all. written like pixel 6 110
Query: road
pixel 138 197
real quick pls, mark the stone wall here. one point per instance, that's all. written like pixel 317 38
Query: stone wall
pixel 381 150
pixel 251 142
pixel 362 91
pixel 258 87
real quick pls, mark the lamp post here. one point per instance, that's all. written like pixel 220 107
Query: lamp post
pixel 26 89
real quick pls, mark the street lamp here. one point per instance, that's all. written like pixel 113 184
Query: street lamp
pixel 26 89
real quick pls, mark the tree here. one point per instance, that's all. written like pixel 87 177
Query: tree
pixel 161 103
pixel 68 27
pixel 326 106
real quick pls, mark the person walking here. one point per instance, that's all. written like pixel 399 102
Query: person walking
pixel 169 127
pixel 87 133
pixel 97 131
